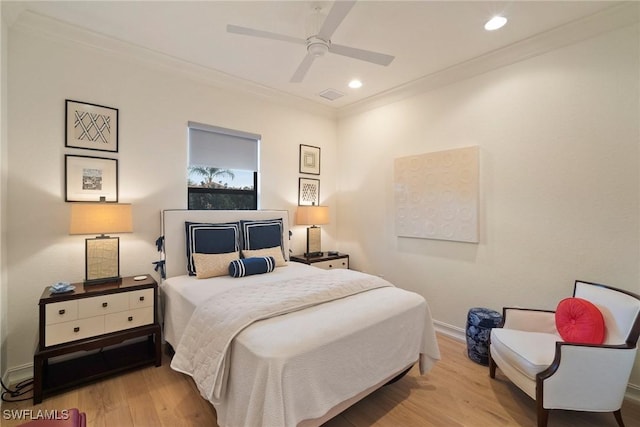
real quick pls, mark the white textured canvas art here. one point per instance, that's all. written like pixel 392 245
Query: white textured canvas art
pixel 436 195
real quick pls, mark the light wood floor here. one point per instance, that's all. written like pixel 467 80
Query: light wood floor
pixel 457 392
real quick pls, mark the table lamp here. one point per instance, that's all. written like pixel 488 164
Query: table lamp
pixel 313 215
pixel 102 253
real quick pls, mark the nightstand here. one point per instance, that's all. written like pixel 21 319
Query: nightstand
pixel 325 261
pixel 98 318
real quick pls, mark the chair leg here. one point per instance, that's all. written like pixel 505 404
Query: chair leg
pixel 543 415
pixel 492 367
pixel 618 415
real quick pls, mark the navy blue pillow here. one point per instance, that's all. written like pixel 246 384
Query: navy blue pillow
pixel 248 266
pixel 261 234
pixel 210 239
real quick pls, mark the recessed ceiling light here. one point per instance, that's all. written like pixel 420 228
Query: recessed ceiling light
pixel 495 23
pixel 355 84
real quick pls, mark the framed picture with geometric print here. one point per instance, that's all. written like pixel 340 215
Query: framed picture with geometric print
pixel 308 192
pixel 91 126
pixel 309 159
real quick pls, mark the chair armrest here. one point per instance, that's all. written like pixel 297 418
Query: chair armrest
pixel 527 319
pixel 586 377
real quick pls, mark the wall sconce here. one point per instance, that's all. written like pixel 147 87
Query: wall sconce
pixel 313 215
pixel 102 253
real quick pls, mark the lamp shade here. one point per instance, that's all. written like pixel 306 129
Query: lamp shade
pixel 312 215
pixel 100 218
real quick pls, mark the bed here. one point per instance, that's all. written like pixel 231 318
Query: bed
pixel 294 346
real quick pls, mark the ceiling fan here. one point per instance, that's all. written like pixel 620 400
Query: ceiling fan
pixel 320 43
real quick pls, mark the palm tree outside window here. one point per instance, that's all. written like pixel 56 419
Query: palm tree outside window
pixel 222 168
pixel 217 188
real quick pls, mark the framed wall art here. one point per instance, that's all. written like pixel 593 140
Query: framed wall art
pixel 91 126
pixel 87 179
pixel 308 192
pixel 309 159
pixel 437 195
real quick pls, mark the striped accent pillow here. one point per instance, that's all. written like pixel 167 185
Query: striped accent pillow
pixel 248 266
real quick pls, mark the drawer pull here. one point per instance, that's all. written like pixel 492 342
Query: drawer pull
pixel 141 298
pixel 105 304
pixel 76 329
pixel 130 318
pixel 61 312
pixel 330 265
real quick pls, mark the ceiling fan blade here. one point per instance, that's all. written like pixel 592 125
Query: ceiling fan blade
pixel 304 66
pixel 361 54
pixel 336 15
pixel 236 29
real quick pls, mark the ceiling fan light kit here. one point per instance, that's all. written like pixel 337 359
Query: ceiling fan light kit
pixel 317 47
pixel 320 43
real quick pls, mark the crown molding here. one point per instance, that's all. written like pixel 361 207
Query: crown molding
pixel 613 18
pixel 10 12
pixel 33 23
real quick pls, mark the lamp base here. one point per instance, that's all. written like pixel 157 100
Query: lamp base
pixel 102 260
pixel 313 242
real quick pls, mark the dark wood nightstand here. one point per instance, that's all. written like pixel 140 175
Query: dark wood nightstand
pixel 95 317
pixel 325 261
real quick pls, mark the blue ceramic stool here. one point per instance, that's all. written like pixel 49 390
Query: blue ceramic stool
pixel 479 323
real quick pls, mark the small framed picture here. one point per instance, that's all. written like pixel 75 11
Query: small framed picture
pixel 309 159
pixel 87 179
pixel 308 192
pixel 91 126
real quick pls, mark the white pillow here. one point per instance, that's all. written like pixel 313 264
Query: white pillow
pixel 275 252
pixel 212 265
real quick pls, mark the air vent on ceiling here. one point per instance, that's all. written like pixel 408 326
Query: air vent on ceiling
pixel 331 94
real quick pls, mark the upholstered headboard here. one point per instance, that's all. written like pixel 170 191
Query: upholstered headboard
pixel 173 230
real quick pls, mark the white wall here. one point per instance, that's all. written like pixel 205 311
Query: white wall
pixel 558 136
pixel 155 103
pixel 559 159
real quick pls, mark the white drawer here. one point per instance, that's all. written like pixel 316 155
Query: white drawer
pixel 128 319
pixel 139 299
pixel 104 304
pixel 59 312
pixel 331 264
pixel 74 330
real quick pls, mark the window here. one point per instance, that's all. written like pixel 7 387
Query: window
pixel 223 168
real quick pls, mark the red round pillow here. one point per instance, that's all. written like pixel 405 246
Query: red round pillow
pixel 579 321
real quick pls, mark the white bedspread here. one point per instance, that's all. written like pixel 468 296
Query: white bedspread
pixel 182 294
pixel 298 366
pixel 202 352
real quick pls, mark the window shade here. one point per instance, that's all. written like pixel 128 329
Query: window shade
pixel 222 148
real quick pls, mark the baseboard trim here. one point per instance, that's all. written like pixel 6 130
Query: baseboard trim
pixel 18 373
pixel 633 393
pixel 451 331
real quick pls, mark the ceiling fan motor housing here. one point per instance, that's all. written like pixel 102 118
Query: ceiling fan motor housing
pixel 317 47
